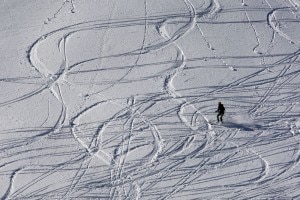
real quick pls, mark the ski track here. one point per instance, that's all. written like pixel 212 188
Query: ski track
pixel 64 4
pixel 134 152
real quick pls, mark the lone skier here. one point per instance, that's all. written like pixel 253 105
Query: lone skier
pixel 220 111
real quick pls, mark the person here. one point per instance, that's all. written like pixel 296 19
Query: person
pixel 220 111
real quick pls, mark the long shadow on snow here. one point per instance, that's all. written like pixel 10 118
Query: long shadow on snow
pixel 243 127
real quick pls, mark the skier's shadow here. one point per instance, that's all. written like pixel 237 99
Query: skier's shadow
pixel 243 127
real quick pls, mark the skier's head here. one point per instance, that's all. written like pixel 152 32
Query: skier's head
pixel 220 102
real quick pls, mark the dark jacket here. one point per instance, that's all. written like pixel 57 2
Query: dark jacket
pixel 221 108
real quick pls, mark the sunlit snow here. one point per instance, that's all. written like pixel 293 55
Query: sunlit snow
pixel 116 99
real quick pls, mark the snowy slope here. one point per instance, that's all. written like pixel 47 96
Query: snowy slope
pixel 106 99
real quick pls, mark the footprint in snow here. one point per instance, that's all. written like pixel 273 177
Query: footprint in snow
pixel 232 68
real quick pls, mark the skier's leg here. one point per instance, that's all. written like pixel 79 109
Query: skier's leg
pixel 218 117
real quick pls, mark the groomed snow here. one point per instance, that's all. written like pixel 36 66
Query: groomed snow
pixel 116 99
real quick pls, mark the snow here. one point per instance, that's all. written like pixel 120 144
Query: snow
pixel 116 99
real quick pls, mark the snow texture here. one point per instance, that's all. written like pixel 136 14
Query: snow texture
pixel 116 99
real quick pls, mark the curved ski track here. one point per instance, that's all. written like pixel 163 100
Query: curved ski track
pixel 160 145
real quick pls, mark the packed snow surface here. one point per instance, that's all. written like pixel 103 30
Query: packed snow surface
pixel 106 99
